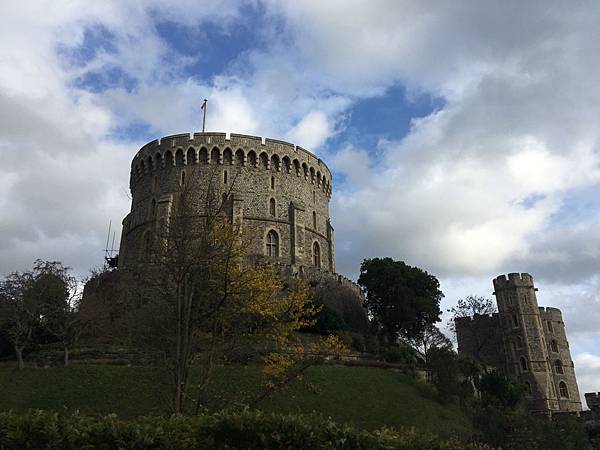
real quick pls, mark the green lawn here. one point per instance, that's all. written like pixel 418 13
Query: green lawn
pixel 365 397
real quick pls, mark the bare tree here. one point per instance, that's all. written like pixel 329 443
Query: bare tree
pixel 19 311
pixel 430 338
pixel 469 307
pixel 60 307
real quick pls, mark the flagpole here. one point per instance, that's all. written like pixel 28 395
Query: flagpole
pixel 204 117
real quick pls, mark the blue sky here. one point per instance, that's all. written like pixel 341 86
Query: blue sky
pixel 463 135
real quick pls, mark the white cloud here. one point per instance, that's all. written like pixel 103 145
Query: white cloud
pixel 587 368
pixel 501 178
pixel 312 130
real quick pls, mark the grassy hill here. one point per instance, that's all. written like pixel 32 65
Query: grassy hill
pixel 365 397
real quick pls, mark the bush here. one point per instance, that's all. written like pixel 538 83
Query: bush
pixel 244 430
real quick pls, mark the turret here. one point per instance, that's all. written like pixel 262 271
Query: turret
pixel 524 339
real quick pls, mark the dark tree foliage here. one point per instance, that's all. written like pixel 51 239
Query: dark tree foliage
pixel 444 370
pixel 497 389
pixel 340 309
pixel 402 299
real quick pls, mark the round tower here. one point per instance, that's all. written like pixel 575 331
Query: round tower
pixel 525 344
pixel 277 192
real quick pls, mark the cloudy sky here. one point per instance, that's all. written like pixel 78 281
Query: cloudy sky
pixel 464 135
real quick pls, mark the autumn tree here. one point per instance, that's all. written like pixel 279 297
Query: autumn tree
pixel 402 300
pixel 203 304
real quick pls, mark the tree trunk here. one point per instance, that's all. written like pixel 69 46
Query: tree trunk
pixel 66 356
pixel 19 353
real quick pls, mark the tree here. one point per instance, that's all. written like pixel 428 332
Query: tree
pixel 341 308
pixel 60 306
pixel 430 338
pixel 44 296
pixel 201 304
pixel 19 311
pixel 469 307
pixel 402 299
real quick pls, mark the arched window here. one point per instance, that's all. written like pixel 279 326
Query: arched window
pixel 272 243
pixel 524 366
pixel 554 346
pixel 316 255
pixel 224 177
pixel 528 390
pixel 215 156
pixel 272 182
pixel 558 366
pixel 239 157
pixel 562 388
pixel 272 209
pixel 191 156
pixel 314 220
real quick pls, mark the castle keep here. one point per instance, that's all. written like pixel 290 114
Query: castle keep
pixel 277 193
pixel 526 342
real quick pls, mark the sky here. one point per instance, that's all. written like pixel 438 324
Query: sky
pixel 464 136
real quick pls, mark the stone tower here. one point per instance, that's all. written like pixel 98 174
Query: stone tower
pixel 526 342
pixel 276 192
pixel 535 345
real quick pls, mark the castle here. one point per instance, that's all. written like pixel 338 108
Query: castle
pixel 277 194
pixel 526 342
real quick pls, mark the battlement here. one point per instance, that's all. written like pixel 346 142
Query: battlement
pixel 593 400
pixel 477 318
pixel 514 280
pixel 231 149
pixel 550 313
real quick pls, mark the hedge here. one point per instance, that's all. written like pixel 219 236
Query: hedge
pixel 239 430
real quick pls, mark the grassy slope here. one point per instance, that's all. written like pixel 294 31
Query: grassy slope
pixel 366 397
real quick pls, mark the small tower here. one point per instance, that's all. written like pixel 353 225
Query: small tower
pixel 524 339
pixel 561 364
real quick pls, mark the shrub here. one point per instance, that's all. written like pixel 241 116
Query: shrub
pixel 242 430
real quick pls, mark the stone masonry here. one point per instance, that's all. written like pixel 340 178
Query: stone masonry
pixel 526 342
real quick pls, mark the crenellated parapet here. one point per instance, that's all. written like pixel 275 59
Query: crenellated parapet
pixel 183 150
pixel 523 280
pixel 550 313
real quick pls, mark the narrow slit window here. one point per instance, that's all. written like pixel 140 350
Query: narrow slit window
pixel 524 366
pixel 272 182
pixel 272 207
pixel 224 177
pixel 316 255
